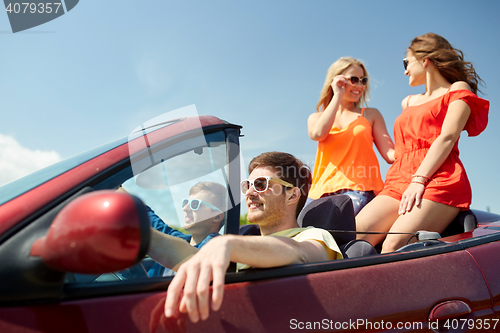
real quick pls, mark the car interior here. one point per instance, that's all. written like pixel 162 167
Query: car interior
pixel 336 214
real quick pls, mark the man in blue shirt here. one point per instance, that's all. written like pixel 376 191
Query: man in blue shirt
pixel 203 218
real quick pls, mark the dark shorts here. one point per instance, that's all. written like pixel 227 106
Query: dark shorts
pixel 359 198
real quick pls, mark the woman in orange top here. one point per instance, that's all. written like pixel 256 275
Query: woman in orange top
pixel 345 160
pixel 427 185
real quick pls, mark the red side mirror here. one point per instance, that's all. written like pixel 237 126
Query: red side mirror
pixel 98 232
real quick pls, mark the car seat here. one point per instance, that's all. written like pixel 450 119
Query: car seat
pixel 464 222
pixel 249 230
pixel 335 213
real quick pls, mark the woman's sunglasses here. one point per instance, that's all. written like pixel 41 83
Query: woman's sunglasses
pixel 406 61
pixel 261 184
pixel 355 80
pixel 195 204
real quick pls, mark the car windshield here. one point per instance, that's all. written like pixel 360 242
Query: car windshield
pixel 163 186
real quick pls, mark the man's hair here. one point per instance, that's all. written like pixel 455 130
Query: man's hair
pixel 218 194
pixel 289 169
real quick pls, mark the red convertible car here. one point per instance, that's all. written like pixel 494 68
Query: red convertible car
pixel 73 251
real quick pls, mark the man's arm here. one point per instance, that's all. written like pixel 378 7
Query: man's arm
pixel 212 261
pixel 273 251
pixel 169 251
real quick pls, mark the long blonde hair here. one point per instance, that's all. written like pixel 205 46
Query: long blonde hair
pixel 338 67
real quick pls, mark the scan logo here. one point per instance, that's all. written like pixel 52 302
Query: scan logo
pixel 30 13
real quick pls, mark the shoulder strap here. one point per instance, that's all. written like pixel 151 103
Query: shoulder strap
pixel 362 111
pixel 408 101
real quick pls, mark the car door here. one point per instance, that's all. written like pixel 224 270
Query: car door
pixel 386 292
pixel 488 256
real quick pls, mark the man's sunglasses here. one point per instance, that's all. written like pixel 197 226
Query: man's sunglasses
pixel 261 184
pixel 355 80
pixel 195 204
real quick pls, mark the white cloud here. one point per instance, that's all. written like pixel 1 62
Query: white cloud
pixel 17 161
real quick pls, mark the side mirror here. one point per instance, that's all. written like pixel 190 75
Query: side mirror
pixel 97 233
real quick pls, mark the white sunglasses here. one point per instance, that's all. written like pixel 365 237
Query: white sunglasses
pixel 195 204
pixel 261 184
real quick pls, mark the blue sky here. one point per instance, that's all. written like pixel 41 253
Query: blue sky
pixel 100 70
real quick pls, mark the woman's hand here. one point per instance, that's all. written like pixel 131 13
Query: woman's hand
pixel 338 85
pixel 411 197
pixel 319 124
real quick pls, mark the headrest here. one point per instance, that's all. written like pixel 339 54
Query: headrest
pixel 464 222
pixel 330 213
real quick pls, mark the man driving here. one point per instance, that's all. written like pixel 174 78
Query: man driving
pixel 275 192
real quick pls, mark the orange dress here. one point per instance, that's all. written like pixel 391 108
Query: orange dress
pixel 345 160
pixel 415 130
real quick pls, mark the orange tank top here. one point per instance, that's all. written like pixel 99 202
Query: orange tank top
pixel 346 160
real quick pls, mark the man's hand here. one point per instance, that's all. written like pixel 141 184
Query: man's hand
pixel 212 261
pixel 209 264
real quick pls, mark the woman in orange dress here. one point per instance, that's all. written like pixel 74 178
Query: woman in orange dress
pixel 345 131
pixel 427 186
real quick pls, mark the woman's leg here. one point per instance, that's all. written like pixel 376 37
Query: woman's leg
pixel 378 215
pixel 430 216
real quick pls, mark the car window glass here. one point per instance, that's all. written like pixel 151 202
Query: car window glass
pixel 164 186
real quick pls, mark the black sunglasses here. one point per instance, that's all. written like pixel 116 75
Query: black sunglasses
pixel 406 61
pixel 355 80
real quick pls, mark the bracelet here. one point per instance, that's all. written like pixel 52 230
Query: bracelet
pixel 420 179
